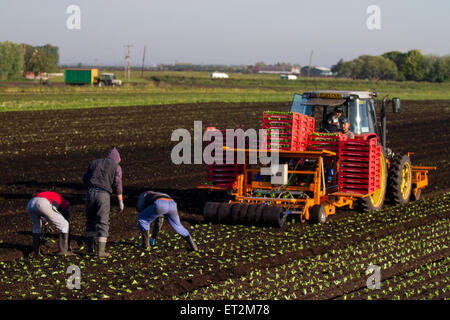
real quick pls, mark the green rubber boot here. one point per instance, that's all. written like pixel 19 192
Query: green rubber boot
pixel 89 244
pixel 36 244
pixel 63 244
pixel 101 250
pixel 145 240
pixel 191 242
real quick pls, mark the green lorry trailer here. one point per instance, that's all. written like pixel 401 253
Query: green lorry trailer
pixel 90 76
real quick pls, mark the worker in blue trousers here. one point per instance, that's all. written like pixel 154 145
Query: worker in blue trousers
pixel 155 206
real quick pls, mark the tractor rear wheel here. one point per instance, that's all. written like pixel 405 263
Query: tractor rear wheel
pixel 376 200
pixel 224 213
pixel 318 214
pixel 210 211
pixel 400 179
pixel 273 216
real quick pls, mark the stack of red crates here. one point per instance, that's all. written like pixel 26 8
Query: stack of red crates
pixel 223 175
pixel 325 141
pixel 359 166
pixel 293 130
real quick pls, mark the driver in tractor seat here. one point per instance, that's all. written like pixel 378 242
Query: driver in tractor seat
pixel 345 128
pixel 332 121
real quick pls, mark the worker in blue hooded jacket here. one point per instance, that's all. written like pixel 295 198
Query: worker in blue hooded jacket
pixel 101 176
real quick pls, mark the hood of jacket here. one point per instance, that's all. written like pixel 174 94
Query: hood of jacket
pixel 114 154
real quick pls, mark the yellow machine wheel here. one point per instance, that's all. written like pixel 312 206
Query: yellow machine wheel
pixel 400 179
pixel 376 200
pixel 317 214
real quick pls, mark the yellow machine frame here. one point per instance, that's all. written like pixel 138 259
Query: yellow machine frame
pixel 301 206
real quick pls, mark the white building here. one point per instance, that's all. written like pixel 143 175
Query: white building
pixel 219 75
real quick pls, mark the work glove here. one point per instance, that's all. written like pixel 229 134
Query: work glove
pixel 121 205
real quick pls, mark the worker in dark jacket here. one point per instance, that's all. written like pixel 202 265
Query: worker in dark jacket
pixel 101 176
pixel 332 121
pixel 154 205
pixel 51 207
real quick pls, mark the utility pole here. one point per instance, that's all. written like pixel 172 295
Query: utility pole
pixel 143 59
pixel 310 61
pixel 127 60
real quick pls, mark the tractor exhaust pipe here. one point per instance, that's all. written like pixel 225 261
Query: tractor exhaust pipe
pixel 383 121
pixel 395 109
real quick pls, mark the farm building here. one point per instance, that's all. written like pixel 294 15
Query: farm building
pixel 277 69
pixel 317 71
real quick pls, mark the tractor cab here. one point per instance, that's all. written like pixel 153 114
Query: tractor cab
pixel 357 106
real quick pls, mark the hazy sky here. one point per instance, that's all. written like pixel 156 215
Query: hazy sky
pixel 227 31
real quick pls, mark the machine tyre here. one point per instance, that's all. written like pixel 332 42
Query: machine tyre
pixel 400 179
pixel 251 213
pixel 224 213
pixel 235 213
pixel 318 214
pixel 259 215
pixel 273 216
pixel 243 214
pixel 210 211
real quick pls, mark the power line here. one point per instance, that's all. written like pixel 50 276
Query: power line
pixel 143 60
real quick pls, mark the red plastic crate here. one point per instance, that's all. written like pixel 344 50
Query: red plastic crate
pixel 359 166
pixel 325 141
pixel 223 175
pixel 293 131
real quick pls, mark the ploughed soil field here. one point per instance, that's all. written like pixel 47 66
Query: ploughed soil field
pixel 49 150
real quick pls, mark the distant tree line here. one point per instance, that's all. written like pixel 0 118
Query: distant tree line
pixel 11 60
pixel 395 65
pixel 18 58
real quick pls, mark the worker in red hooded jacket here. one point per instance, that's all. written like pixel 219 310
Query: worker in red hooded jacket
pixel 52 207
pixel 101 176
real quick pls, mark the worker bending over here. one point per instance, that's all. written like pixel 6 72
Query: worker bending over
pixel 153 205
pixel 52 207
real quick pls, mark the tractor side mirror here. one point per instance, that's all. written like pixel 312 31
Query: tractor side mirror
pixel 396 105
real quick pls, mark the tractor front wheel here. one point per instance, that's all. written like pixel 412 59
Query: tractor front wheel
pixel 400 179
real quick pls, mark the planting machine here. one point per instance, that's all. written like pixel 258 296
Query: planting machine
pixel 317 171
